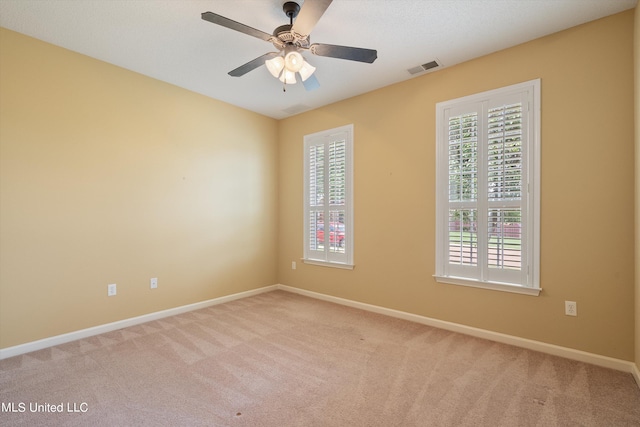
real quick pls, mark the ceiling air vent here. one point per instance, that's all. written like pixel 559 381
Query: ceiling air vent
pixel 295 109
pixel 424 67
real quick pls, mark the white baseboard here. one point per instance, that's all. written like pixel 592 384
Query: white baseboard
pixel 568 353
pixel 101 329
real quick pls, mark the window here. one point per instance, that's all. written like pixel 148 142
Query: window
pixel 328 195
pixel 487 189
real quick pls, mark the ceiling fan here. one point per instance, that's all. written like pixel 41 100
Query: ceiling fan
pixel 290 40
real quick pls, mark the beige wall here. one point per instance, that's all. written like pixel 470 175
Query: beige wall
pixel 587 193
pixel 637 170
pixel 108 176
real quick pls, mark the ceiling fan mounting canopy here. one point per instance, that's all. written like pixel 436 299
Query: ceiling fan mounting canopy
pixel 291 9
pixel 291 38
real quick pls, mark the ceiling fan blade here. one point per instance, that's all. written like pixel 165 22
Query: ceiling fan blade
pixel 229 23
pixel 252 65
pixel 344 52
pixel 311 83
pixel 310 14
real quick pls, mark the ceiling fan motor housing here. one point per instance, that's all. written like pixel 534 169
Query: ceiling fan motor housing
pixel 283 34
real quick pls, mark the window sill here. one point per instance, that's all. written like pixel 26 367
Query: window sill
pixel 489 285
pixel 328 264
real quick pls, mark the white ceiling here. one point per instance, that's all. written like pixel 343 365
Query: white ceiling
pixel 168 40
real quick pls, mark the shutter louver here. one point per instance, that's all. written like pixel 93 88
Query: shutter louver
pixel 336 232
pixel 316 229
pixel 316 175
pixel 505 239
pixel 463 159
pixel 504 153
pixel 463 237
pixel 337 171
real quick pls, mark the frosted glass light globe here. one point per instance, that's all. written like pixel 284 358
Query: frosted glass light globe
pixel 275 65
pixel 293 61
pixel 288 77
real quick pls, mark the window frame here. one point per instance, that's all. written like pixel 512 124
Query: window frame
pixel 328 259
pixel 529 283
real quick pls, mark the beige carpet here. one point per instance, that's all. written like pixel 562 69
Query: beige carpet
pixel 280 359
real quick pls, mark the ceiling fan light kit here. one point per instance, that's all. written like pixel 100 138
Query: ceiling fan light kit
pixel 290 40
pixel 285 68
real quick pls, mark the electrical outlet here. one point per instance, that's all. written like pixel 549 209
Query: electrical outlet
pixel 570 308
pixel 293 265
pixel 153 282
pixel 111 290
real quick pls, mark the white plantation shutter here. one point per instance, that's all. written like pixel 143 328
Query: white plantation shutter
pixel 506 126
pixel 487 188
pixel 328 232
